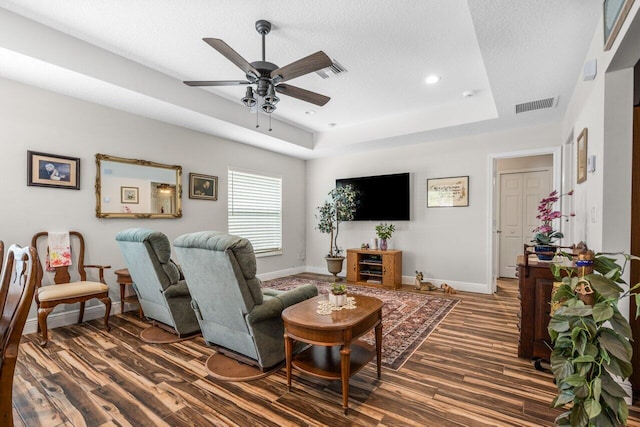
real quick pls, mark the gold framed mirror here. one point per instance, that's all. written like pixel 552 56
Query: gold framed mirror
pixel 132 188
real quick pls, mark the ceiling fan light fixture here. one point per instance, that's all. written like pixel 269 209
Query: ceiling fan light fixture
pixel 271 97
pixel 249 100
pixel 268 107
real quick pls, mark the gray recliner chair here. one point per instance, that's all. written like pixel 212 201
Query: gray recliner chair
pixel 233 309
pixel 162 292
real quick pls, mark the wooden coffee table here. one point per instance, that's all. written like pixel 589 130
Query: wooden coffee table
pixel 336 353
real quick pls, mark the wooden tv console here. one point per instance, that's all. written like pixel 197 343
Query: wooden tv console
pixel 375 268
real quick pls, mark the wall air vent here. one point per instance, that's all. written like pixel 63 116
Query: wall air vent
pixel 536 105
pixel 333 71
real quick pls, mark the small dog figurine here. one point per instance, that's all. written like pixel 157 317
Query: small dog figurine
pixel 447 289
pixel 420 286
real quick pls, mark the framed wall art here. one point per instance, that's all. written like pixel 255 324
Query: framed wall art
pixel 448 192
pixel 203 186
pixel 52 170
pixel 129 195
pixel 582 156
pixel 614 13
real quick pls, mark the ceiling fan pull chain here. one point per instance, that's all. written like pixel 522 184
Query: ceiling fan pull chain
pixel 269 122
pixel 257 112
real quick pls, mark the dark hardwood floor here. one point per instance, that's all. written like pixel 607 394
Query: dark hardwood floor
pixel 465 374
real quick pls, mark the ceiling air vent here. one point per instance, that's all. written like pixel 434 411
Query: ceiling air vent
pixel 334 70
pixel 536 105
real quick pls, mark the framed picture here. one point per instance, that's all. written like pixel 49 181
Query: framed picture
pixel 52 170
pixel 448 192
pixel 582 156
pixel 129 195
pixel 614 12
pixel 203 186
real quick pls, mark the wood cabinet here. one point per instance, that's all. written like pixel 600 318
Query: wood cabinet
pixel 535 284
pixel 377 268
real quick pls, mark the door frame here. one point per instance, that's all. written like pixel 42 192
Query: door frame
pixel 492 245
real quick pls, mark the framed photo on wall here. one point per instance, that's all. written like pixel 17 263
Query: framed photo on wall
pixel 52 170
pixel 129 195
pixel 582 156
pixel 203 186
pixel 448 192
pixel 614 13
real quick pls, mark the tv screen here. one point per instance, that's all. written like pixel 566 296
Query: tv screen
pixel 381 198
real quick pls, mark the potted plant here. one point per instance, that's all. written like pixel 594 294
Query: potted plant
pixel 338 294
pixel 341 207
pixel 590 339
pixel 384 232
pixel 545 234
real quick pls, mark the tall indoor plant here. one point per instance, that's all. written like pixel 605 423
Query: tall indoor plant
pixel 341 207
pixel 590 339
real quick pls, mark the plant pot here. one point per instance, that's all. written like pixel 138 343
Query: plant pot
pixel 334 265
pixel 337 300
pixel 544 252
pixel 384 244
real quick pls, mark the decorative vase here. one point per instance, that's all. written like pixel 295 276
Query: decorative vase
pixel 334 265
pixel 383 244
pixel 545 252
pixel 337 300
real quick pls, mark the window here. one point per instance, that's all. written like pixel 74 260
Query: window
pixel 255 210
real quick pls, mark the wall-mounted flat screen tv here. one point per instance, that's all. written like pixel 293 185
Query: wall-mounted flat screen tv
pixel 382 197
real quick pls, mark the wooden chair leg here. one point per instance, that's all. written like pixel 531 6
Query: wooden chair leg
pixel 6 394
pixel 107 311
pixel 43 313
pixel 81 312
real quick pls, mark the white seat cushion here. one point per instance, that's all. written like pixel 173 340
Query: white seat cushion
pixel 70 290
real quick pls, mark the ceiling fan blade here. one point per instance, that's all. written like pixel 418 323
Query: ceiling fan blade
pixel 232 56
pixel 314 62
pixel 216 82
pixel 303 94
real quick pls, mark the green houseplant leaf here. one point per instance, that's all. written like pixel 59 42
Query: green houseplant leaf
pixel 602 312
pixel 591 343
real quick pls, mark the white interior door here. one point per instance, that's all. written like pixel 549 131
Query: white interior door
pixel 520 194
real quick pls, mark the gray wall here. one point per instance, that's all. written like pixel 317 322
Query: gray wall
pixel 446 244
pixel 38 120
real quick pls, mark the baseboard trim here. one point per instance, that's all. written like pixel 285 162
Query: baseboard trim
pixel 281 273
pixel 66 318
pixel 478 288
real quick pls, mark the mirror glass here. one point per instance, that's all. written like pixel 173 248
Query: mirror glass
pixel 131 188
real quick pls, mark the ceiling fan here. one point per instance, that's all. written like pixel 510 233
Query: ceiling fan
pixel 267 77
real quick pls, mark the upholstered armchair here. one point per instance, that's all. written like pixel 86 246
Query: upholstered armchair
pixel 162 292
pixel 234 311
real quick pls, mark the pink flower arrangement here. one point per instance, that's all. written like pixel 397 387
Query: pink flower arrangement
pixel 545 234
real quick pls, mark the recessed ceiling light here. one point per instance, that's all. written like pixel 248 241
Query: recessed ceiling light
pixel 432 79
pixel 332 125
pixel 310 113
pixel 467 94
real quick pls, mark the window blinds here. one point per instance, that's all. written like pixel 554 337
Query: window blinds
pixel 255 210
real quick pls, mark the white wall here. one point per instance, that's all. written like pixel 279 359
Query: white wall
pixel 604 107
pixel 446 244
pixel 35 119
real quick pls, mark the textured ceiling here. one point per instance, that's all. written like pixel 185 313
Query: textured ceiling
pixel 504 51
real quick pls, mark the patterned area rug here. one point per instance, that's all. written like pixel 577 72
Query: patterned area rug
pixel 407 318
